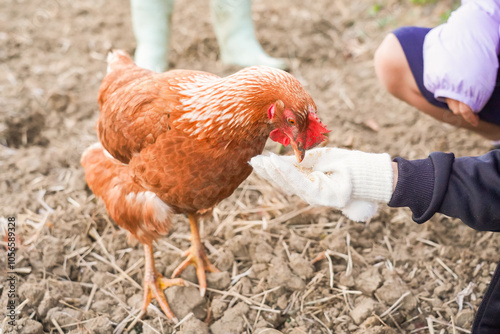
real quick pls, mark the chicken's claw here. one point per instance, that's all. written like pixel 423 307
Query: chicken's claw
pixel 155 283
pixel 196 256
pixel 153 288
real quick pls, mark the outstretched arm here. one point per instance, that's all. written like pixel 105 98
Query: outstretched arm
pixel 353 181
pixel 467 188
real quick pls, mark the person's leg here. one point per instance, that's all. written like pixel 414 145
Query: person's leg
pixel 235 33
pixel 151 24
pixel 394 72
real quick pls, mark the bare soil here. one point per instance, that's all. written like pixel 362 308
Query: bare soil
pixel 76 270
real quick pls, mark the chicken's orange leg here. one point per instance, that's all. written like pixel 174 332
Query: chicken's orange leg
pixel 196 256
pixel 155 283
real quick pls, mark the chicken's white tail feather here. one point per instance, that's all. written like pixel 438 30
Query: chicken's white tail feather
pixel 114 56
pixel 91 148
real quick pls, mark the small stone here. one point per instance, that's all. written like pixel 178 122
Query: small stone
pixel 59 101
pixel 219 281
pixel 246 286
pixel 189 274
pixel 273 319
pixel 282 301
pixel 335 242
pixel 136 300
pixel 232 321
pixel 262 252
pixel 52 255
pixel 297 243
pixel 194 326
pixel 280 274
pixel 224 260
pixel 372 124
pixel 218 307
pixel 465 318
pixel 65 289
pixel 442 290
pixel 186 299
pixel 65 316
pixel 368 281
pixel 237 245
pixel 99 325
pixel 344 280
pixel 302 267
pixel 259 270
pixel 102 278
pixel 32 291
pixel 30 326
pixel 48 302
pixel 370 322
pixel 392 289
pixel 364 308
pixel 102 306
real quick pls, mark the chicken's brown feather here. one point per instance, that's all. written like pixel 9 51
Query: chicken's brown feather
pixel 136 106
pixel 132 207
pixel 129 119
pixel 183 175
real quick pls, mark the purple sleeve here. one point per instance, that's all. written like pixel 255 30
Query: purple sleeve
pixel 461 56
pixel 467 188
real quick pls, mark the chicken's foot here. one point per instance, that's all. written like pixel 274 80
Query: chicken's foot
pixel 196 256
pixel 155 283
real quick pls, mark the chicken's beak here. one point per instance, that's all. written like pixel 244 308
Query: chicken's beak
pixel 299 150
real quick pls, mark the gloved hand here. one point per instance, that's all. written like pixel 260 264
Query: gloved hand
pixel 353 181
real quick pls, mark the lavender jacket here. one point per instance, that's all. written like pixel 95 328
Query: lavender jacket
pixel 461 56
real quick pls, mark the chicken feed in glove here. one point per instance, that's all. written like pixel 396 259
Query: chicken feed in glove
pixel 352 181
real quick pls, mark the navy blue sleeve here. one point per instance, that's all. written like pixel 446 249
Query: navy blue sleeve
pixel 467 188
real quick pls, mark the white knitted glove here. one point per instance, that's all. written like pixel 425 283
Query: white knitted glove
pixel 353 181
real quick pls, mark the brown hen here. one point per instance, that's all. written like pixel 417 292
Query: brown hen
pixel 180 142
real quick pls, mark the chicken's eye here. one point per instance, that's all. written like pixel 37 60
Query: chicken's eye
pixel 291 121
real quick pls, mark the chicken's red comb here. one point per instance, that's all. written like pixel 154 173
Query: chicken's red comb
pixel 315 131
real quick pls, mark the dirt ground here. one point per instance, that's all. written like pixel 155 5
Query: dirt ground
pixel 76 271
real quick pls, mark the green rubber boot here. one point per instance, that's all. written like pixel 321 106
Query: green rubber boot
pixel 235 33
pixel 151 23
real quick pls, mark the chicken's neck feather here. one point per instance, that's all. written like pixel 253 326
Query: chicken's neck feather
pixel 233 107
